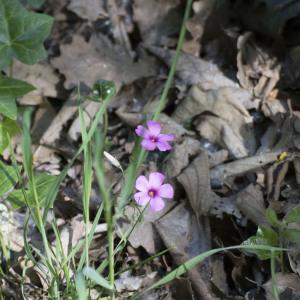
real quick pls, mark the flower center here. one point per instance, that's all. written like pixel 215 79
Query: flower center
pixel 153 139
pixel 151 193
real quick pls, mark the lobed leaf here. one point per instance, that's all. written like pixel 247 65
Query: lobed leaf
pixel 22 33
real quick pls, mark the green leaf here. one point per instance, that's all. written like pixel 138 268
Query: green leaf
pixel 8 178
pixel 10 87
pixel 264 236
pixel 8 128
pixel 293 216
pixel 96 277
pixel 292 235
pixel 272 217
pixel 33 3
pixel 8 107
pixel 82 291
pixel 22 33
pixel 191 263
pixel 43 183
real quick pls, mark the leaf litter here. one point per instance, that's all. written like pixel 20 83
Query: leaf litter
pixel 236 124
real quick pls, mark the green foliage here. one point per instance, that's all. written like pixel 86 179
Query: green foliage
pixel 43 183
pixel 264 237
pixel 22 33
pixel 33 3
pixel 96 277
pixel 293 216
pixel 8 107
pixel 101 90
pixel 10 87
pixel 8 129
pixel 292 235
pixel 272 218
pixel 8 178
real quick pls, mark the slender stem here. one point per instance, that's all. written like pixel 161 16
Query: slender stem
pixel 164 95
pixel 100 141
pixel 274 282
pixel 134 166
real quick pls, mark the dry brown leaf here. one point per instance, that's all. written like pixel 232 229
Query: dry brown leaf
pixel 220 173
pixel 192 70
pixel 143 235
pixel 42 76
pixel 157 20
pixel 196 25
pixel 288 286
pixel 90 10
pixel 224 205
pixel 196 182
pixel 181 154
pixel 250 201
pixel 218 131
pixel 226 103
pixel 257 69
pixel 97 59
pixel 186 237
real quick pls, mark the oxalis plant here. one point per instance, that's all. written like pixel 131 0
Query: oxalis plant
pixel 22 34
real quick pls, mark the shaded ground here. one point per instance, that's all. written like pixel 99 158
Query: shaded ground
pixel 234 108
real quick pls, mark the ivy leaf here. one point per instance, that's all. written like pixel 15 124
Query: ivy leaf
pixel 8 107
pixel 8 128
pixel 8 178
pixel 13 87
pixel 272 217
pixel 22 33
pixel 33 3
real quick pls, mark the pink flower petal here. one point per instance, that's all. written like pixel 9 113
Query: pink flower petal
pixel 156 179
pixel 163 146
pixel 148 145
pixel 157 204
pixel 142 184
pixel 154 127
pixel 166 137
pixel 166 191
pixel 141 130
pixel 141 198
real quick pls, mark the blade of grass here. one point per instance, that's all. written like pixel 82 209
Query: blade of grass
pixel 100 174
pixel 54 190
pixel 191 263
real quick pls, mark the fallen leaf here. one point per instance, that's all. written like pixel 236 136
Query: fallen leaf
pixel 288 286
pixel 181 154
pixel 218 131
pixel 186 237
pixel 196 182
pixel 257 69
pixel 144 234
pixel 42 76
pixel 220 173
pixel 192 70
pixel 90 10
pixel 157 20
pixel 250 202
pixel 97 59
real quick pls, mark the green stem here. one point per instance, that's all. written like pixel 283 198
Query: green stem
pixel 273 272
pixel 100 140
pixel 139 155
pixel 164 95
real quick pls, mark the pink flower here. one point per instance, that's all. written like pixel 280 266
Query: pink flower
pixel 152 138
pixel 153 191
